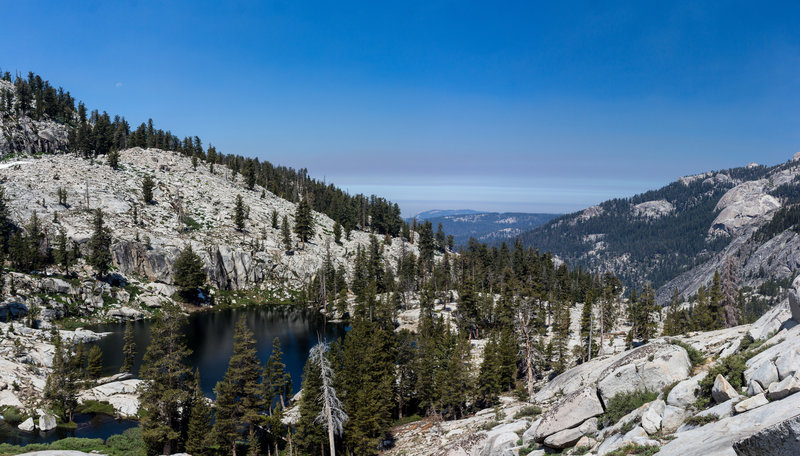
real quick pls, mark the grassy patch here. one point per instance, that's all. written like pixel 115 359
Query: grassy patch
pixel 635 449
pixel 624 403
pixel 407 419
pixel 528 410
pixel 92 406
pixel 129 443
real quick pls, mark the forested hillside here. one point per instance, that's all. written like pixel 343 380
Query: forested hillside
pixel 650 237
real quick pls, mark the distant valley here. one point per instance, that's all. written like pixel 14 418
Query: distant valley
pixel 489 227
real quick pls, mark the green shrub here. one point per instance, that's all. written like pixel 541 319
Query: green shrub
pixel 528 410
pixel 624 403
pixel 696 357
pixel 702 420
pixel 732 368
pixel 92 406
pixel 12 415
pixel 129 443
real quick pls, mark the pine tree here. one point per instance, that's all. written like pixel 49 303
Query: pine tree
pixel 702 316
pixel 189 270
pixel 276 378
pixel 128 348
pixel 368 392
pixel 61 387
pixel 715 303
pixel 337 232
pixel 94 365
pixel 239 400
pixel 5 221
pixel 168 378
pixel 304 221
pixel 274 219
pixel 100 245
pixel 113 159
pixel 239 213
pixel 197 434
pixel 489 377
pixel 286 234
pixel 310 435
pixel 147 189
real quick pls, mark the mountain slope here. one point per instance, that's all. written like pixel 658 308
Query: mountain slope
pixel 677 236
pixel 484 226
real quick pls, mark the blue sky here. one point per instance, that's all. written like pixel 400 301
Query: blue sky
pixel 525 106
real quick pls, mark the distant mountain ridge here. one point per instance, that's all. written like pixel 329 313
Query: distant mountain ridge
pixel 677 236
pixel 489 227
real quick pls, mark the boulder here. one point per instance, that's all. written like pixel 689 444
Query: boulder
pixel 781 439
pixel 722 391
pixel 788 363
pixel 589 426
pixel 564 439
pixel 754 388
pixel 765 373
pixel 651 418
pixel 585 442
pixel 684 393
pixel 500 444
pixel 27 425
pixel 650 367
pixel 673 418
pixel 529 435
pixel 783 388
pixel 751 403
pixel 47 422
pixel 771 321
pixel 569 412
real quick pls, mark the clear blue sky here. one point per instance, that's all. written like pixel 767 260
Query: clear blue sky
pixel 531 106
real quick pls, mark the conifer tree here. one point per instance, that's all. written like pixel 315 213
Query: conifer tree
pixel 276 378
pixel 715 301
pixel 189 270
pixel 239 213
pixel 337 232
pixel 489 381
pixel 113 159
pixel 368 392
pixel 274 219
pixel 731 311
pixel 100 245
pixel 166 397
pixel 239 400
pixel 128 348
pixel 94 364
pixel 197 434
pixel 702 316
pixel 147 189
pixel 286 235
pixel 310 435
pixel 5 221
pixel 61 389
pixel 304 221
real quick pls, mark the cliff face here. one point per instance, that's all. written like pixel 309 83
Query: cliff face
pixel 191 206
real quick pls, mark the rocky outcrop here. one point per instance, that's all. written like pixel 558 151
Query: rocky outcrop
pixel 569 412
pixel 743 205
pixel 47 422
pixel 650 367
pixel 122 395
pixel 781 439
pixel 653 209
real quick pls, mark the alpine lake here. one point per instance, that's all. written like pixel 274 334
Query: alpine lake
pixel 209 336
